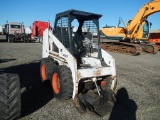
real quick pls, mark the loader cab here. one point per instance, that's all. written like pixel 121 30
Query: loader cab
pixel 75 30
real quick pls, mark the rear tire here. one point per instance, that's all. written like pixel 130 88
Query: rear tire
pixel 10 38
pixel 46 68
pixel 10 97
pixel 62 82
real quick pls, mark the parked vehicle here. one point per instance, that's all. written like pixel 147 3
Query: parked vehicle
pixel 15 31
pixel 1 30
pixel 37 29
pixel 154 37
pixel 28 32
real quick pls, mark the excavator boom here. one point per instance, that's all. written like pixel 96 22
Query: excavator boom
pixel 148 9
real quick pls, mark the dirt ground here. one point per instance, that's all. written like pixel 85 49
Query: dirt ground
pixel 138 86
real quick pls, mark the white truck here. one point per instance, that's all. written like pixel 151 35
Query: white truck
pixel 15 32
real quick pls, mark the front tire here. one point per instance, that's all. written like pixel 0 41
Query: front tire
pixel 10 38
pixel 62 82
pixel 46 68
pixel 10 97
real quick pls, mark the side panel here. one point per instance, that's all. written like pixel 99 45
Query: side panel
pixel 109 60
pixel 63 56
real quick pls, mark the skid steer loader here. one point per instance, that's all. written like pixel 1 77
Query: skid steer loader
pixel 74 62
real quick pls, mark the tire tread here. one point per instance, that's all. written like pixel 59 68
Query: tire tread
pixel 10 97
pixel 66 82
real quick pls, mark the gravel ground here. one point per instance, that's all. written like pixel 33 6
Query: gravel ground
pixel 138 86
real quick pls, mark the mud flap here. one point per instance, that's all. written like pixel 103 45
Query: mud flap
pixel 91 100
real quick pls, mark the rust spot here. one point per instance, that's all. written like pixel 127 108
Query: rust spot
pixel 75 102
pixel 113 77
pixel 78 76
pixel 98 72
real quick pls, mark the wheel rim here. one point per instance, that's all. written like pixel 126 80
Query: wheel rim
pixel 56 83
pixel 43 72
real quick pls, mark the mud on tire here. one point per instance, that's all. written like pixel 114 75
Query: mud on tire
pixel 46 68
pixel 62 82
pixel 10 97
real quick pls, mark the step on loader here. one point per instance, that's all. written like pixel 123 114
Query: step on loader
pixel 74 62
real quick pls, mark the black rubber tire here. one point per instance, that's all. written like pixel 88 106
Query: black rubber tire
pixel 65 82
pixel 8 39
pixel 49 64
pixel 25 39
pixel 10 97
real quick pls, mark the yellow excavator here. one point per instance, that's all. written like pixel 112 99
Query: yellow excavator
pixel 133 38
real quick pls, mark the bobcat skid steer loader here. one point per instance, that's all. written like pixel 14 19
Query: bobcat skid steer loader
pixel 74 62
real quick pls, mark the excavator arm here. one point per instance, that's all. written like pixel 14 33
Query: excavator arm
pixel 148 9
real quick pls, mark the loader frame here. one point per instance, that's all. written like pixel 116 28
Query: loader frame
pixel 94 66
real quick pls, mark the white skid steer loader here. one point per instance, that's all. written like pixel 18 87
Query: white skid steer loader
pixel 74 62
